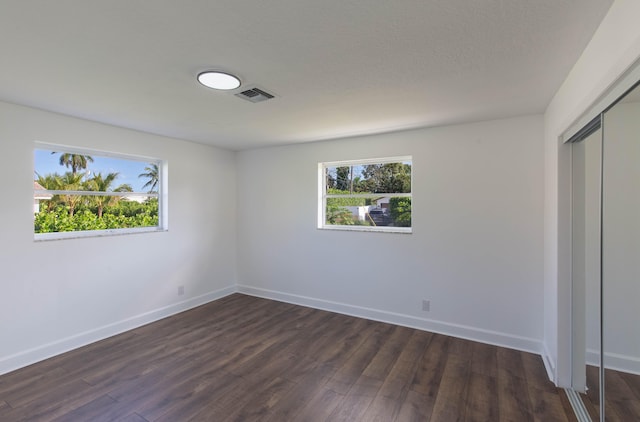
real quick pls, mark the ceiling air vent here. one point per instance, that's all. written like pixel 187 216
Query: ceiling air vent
pixel 255 95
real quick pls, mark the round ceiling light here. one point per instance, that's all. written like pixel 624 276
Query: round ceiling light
pixel 218 80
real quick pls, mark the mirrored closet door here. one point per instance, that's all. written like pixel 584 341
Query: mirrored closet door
pixel 606 263
pixel 586 166
pixel 621 258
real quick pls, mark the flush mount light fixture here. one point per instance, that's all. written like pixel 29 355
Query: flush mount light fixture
pixel 218 80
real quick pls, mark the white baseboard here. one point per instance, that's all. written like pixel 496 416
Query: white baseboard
pixel 549 364
pixel 615 361
pixel 45 351
pixel 455 330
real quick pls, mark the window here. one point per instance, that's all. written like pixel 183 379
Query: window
pixel 79 193
pixel 366 195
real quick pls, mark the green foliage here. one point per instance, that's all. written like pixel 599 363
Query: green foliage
pixel 339 215
pixel 400 209
pixel 50 182
pixel 342 178
pixel 370 178
pixel 64 213
pixel 347 201
pixel 71 181
pixel 98 183
pixel 386 178
pixel 124 214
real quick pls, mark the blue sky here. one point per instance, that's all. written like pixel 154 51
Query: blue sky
pixel 47 163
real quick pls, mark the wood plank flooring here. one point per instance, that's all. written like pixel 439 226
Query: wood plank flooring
pixel 248 359
pixel 622 395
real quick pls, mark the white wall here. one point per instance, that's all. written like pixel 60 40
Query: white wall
pixel 613 49
pixel 476 248
pixel 58 295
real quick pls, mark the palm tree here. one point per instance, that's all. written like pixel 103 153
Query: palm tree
pixel 74 161
pixel 71 181
pixel 98 183
pixel 50 182
pixel 125 187
pixel 152 175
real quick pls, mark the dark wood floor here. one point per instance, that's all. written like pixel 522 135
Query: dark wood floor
pixel 247 359
pixel 622 395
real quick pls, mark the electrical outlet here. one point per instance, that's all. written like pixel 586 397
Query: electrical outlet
pixel 180 290
pixel 426 305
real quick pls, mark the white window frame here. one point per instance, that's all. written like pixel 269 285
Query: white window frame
pixel 322 195
pixel 162 193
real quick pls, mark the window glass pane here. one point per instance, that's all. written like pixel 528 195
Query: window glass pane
pixel 392 177
pixel 68 189
pixel 367 194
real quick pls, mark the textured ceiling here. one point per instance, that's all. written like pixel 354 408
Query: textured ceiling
pixel 338 68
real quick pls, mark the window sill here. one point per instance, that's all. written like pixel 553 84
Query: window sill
pixel 46 237
pixel 382 229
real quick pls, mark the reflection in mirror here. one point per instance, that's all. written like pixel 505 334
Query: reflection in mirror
pixel 621 258
pixel 586 173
